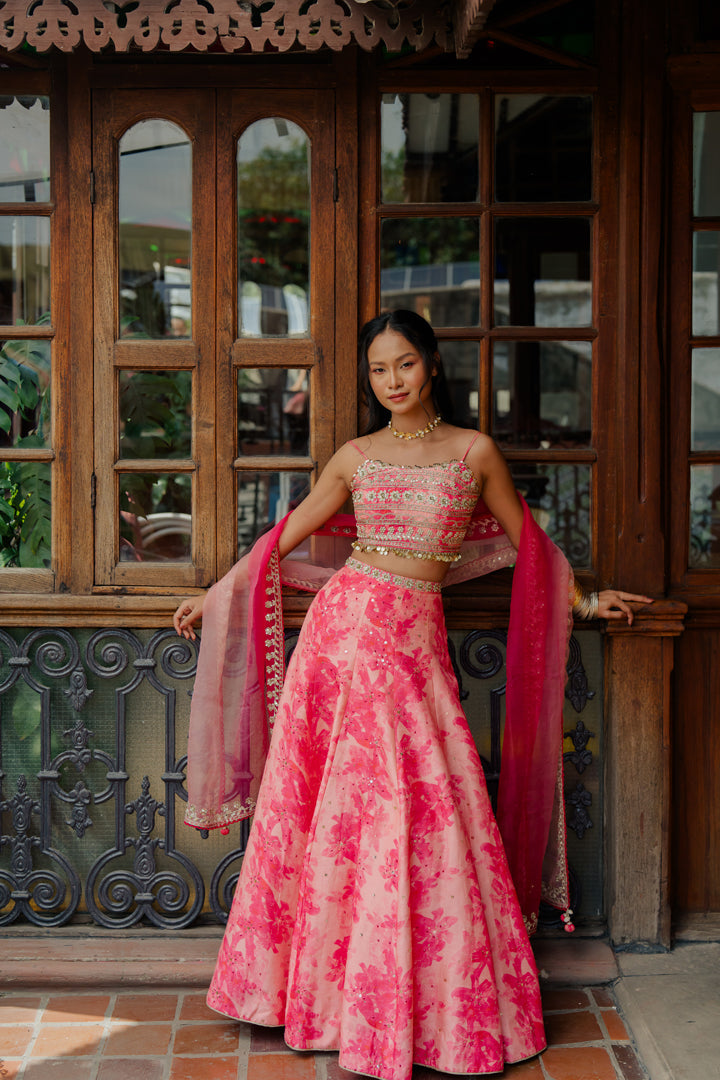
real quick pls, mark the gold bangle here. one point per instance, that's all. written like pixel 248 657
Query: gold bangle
pixel 585 604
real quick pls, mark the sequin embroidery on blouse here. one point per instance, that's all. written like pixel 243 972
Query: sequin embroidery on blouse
pixel 414 511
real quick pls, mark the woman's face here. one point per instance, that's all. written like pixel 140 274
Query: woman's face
pixel 398 376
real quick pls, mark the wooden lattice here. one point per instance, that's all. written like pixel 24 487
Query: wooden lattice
pixel 235 24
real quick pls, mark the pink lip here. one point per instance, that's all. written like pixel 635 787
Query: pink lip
pixel 396 397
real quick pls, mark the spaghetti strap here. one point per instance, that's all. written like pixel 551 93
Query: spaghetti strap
pixel 470 445
pixel 359 450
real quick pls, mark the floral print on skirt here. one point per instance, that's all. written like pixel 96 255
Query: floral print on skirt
pixel 374 913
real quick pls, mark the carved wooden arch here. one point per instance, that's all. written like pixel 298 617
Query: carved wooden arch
pixel 235 24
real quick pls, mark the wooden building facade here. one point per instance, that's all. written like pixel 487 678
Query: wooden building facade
pixel 201 201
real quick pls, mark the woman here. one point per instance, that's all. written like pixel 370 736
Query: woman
pixel 375 912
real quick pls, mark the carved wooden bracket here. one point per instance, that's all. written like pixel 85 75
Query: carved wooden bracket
pixel 247 25
pixel 468 18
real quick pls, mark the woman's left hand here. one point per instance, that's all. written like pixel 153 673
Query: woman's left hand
pixel 613 604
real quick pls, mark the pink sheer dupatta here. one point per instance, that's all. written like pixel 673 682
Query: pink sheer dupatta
pixel 530 811
pixel 241 669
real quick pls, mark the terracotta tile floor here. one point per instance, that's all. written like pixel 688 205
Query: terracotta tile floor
pixel 172 1035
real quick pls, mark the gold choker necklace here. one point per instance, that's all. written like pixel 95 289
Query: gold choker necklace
pixel 416 434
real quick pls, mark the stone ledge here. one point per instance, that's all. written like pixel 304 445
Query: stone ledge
pixel 42 960
pixel 29 961
pixel 575 961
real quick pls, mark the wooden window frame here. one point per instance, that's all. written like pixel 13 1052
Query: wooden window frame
pixel 308 352
pixel 216 351
pixel 78 600
pixel 602 209
pixel 697 89
pixel 30 579
pixel 119 111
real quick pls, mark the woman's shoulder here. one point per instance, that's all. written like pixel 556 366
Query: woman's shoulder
pixel 466 441
pixel 350 450
pixel 347 459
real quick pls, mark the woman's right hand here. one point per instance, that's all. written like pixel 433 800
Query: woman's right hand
pixel 188 613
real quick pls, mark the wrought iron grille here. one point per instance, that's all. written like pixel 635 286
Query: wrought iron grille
pixel 93 727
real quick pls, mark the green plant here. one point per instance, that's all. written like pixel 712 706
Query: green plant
pixel 25 503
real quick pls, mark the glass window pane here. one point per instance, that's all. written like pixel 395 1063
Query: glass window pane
pixel 559 496
pixel 273 177
pixel 706 163
pixel 705 298
pixel 543 148
pixel 429 147
pixel 461 363
pixel 154 410
pixel 155 522
pixel 542 393
pixel 704 517
pixel 705 409
pixel 155 233
pixel 273 411
pixel 25 513
pixel 431 265
pixel 24 148
pixel 263 498
pixel 708 20
pixel 24 270
pixel 25 393
pixel 542 272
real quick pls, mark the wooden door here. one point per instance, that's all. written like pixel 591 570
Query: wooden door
pixel 214 323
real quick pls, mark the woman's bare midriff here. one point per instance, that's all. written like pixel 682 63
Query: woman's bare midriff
pixel 420 569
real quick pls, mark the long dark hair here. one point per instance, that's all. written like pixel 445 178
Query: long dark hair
pixel 420 334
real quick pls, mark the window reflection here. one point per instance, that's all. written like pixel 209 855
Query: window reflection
pixel 25 495
pixel 543 148
pixel 542 393
pixel 25 393
pixel 559 497
pixel 24 148
pixel 273 411
pixel 155 232
pixel 431 265
pixel 704 516
pixel 155 521
pixel 705 409
pixel 273 192
pixel 706 163
pixel 263 498
pixel 705 295
pixel 24 270
pixel 429 147
pixel 542 272
pixel 154 410
pixel 460 361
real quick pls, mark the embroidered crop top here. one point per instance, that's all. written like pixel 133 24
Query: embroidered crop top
pixel 415 511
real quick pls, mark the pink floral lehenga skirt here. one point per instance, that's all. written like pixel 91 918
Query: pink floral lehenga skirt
pixel 374 913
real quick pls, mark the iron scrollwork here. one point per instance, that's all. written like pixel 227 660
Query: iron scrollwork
pixel 579 820
pixel 40 883
pixel 481 656
pixel 79 780
pixel 115 895
pixel 576 688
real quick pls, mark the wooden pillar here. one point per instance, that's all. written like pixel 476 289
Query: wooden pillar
pixel 639 663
